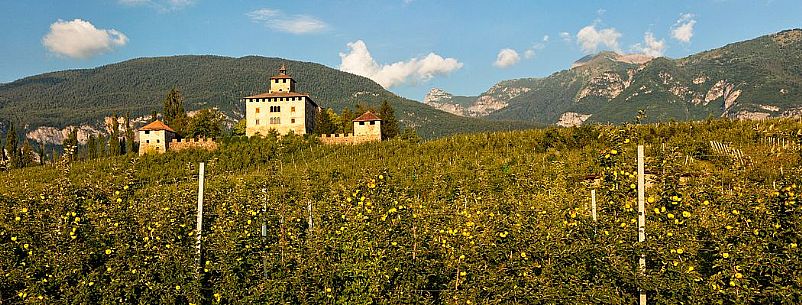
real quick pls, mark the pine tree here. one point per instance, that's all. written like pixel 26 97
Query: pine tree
pixel 11 146
pixel 27 157
pixel 346 118
pixel 91 147
pixel 324 124
pixel 174 113
pixel 389 123
pixel 114 136
pixel 42 153
pixel 129 134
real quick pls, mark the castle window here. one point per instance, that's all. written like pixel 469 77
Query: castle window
pixel 361 123
pixel 275 108
pixel 372 123
pixel 257 110
pixel 147 141
pixel 158 141
pixel 275 120
pixel 257 122
pixel 284 80
pixel 292 121
pixel 292 109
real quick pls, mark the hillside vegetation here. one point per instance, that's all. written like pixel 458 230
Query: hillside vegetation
pixel 753 79
pixel 490 218
pixel 76 97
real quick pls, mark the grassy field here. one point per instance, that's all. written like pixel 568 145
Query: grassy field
pixel 485 218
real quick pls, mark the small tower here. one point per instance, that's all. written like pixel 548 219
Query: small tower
pixel 155 137
pixel 282 82
pixel 368 125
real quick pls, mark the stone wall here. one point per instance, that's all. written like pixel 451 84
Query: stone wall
pixel 181 144
pixel 348 138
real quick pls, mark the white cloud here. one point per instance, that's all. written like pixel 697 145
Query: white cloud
pixel 294 24
pixel 590 39
pixel 359 61
pixel 506 58
pixel 651 46
pixel 546 38
pixel 529 54
pixel 81 39
pixel 160 5
pixel 683 28
pixel 565 36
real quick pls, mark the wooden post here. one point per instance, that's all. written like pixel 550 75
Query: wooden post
pixel 641 217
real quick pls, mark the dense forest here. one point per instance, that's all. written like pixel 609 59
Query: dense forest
pixel 492 218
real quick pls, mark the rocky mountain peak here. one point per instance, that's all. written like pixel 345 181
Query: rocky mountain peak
pixel 437 95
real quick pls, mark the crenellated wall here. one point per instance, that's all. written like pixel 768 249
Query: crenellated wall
pixel 180 144
pixel 348 138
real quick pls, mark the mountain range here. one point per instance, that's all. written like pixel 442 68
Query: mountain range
pixel 752 79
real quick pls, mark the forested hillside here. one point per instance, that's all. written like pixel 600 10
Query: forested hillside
pixel 485 218
pixel 76 97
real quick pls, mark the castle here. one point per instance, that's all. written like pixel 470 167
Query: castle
pixel 281 109
pixel 284 110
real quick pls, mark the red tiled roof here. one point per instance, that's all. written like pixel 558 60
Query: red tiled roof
pixel 157 125
pixel 277 94
pixel 366 117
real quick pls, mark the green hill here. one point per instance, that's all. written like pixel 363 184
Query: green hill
pixel 86 96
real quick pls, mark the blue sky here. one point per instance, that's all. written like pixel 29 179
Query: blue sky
pixel 409 46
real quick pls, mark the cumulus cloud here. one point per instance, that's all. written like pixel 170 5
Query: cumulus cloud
pixel 651 46
pixel 294 24
pixel 590 39
pixel 80 39
pixel 161 5
pixel 683 28
pixel 506 58
pixel 359 61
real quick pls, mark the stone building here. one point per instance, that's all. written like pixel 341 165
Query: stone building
pixel 281 108
pixel 155 137
pixel 367 128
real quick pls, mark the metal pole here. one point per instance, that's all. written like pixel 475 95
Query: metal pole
pixel 641 217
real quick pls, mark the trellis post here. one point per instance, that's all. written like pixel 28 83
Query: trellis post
pixel 199 228
pixel 641 218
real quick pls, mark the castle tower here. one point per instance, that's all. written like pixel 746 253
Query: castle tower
pixel 155 137
pixel 281 108
pixel 282 82
pixel 368 125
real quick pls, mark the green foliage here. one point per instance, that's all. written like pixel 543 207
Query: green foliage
pixel 239 128
pixel 173 110
pixel 389 123
pixel 480 217
pixel 326 122
pixel 206 123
